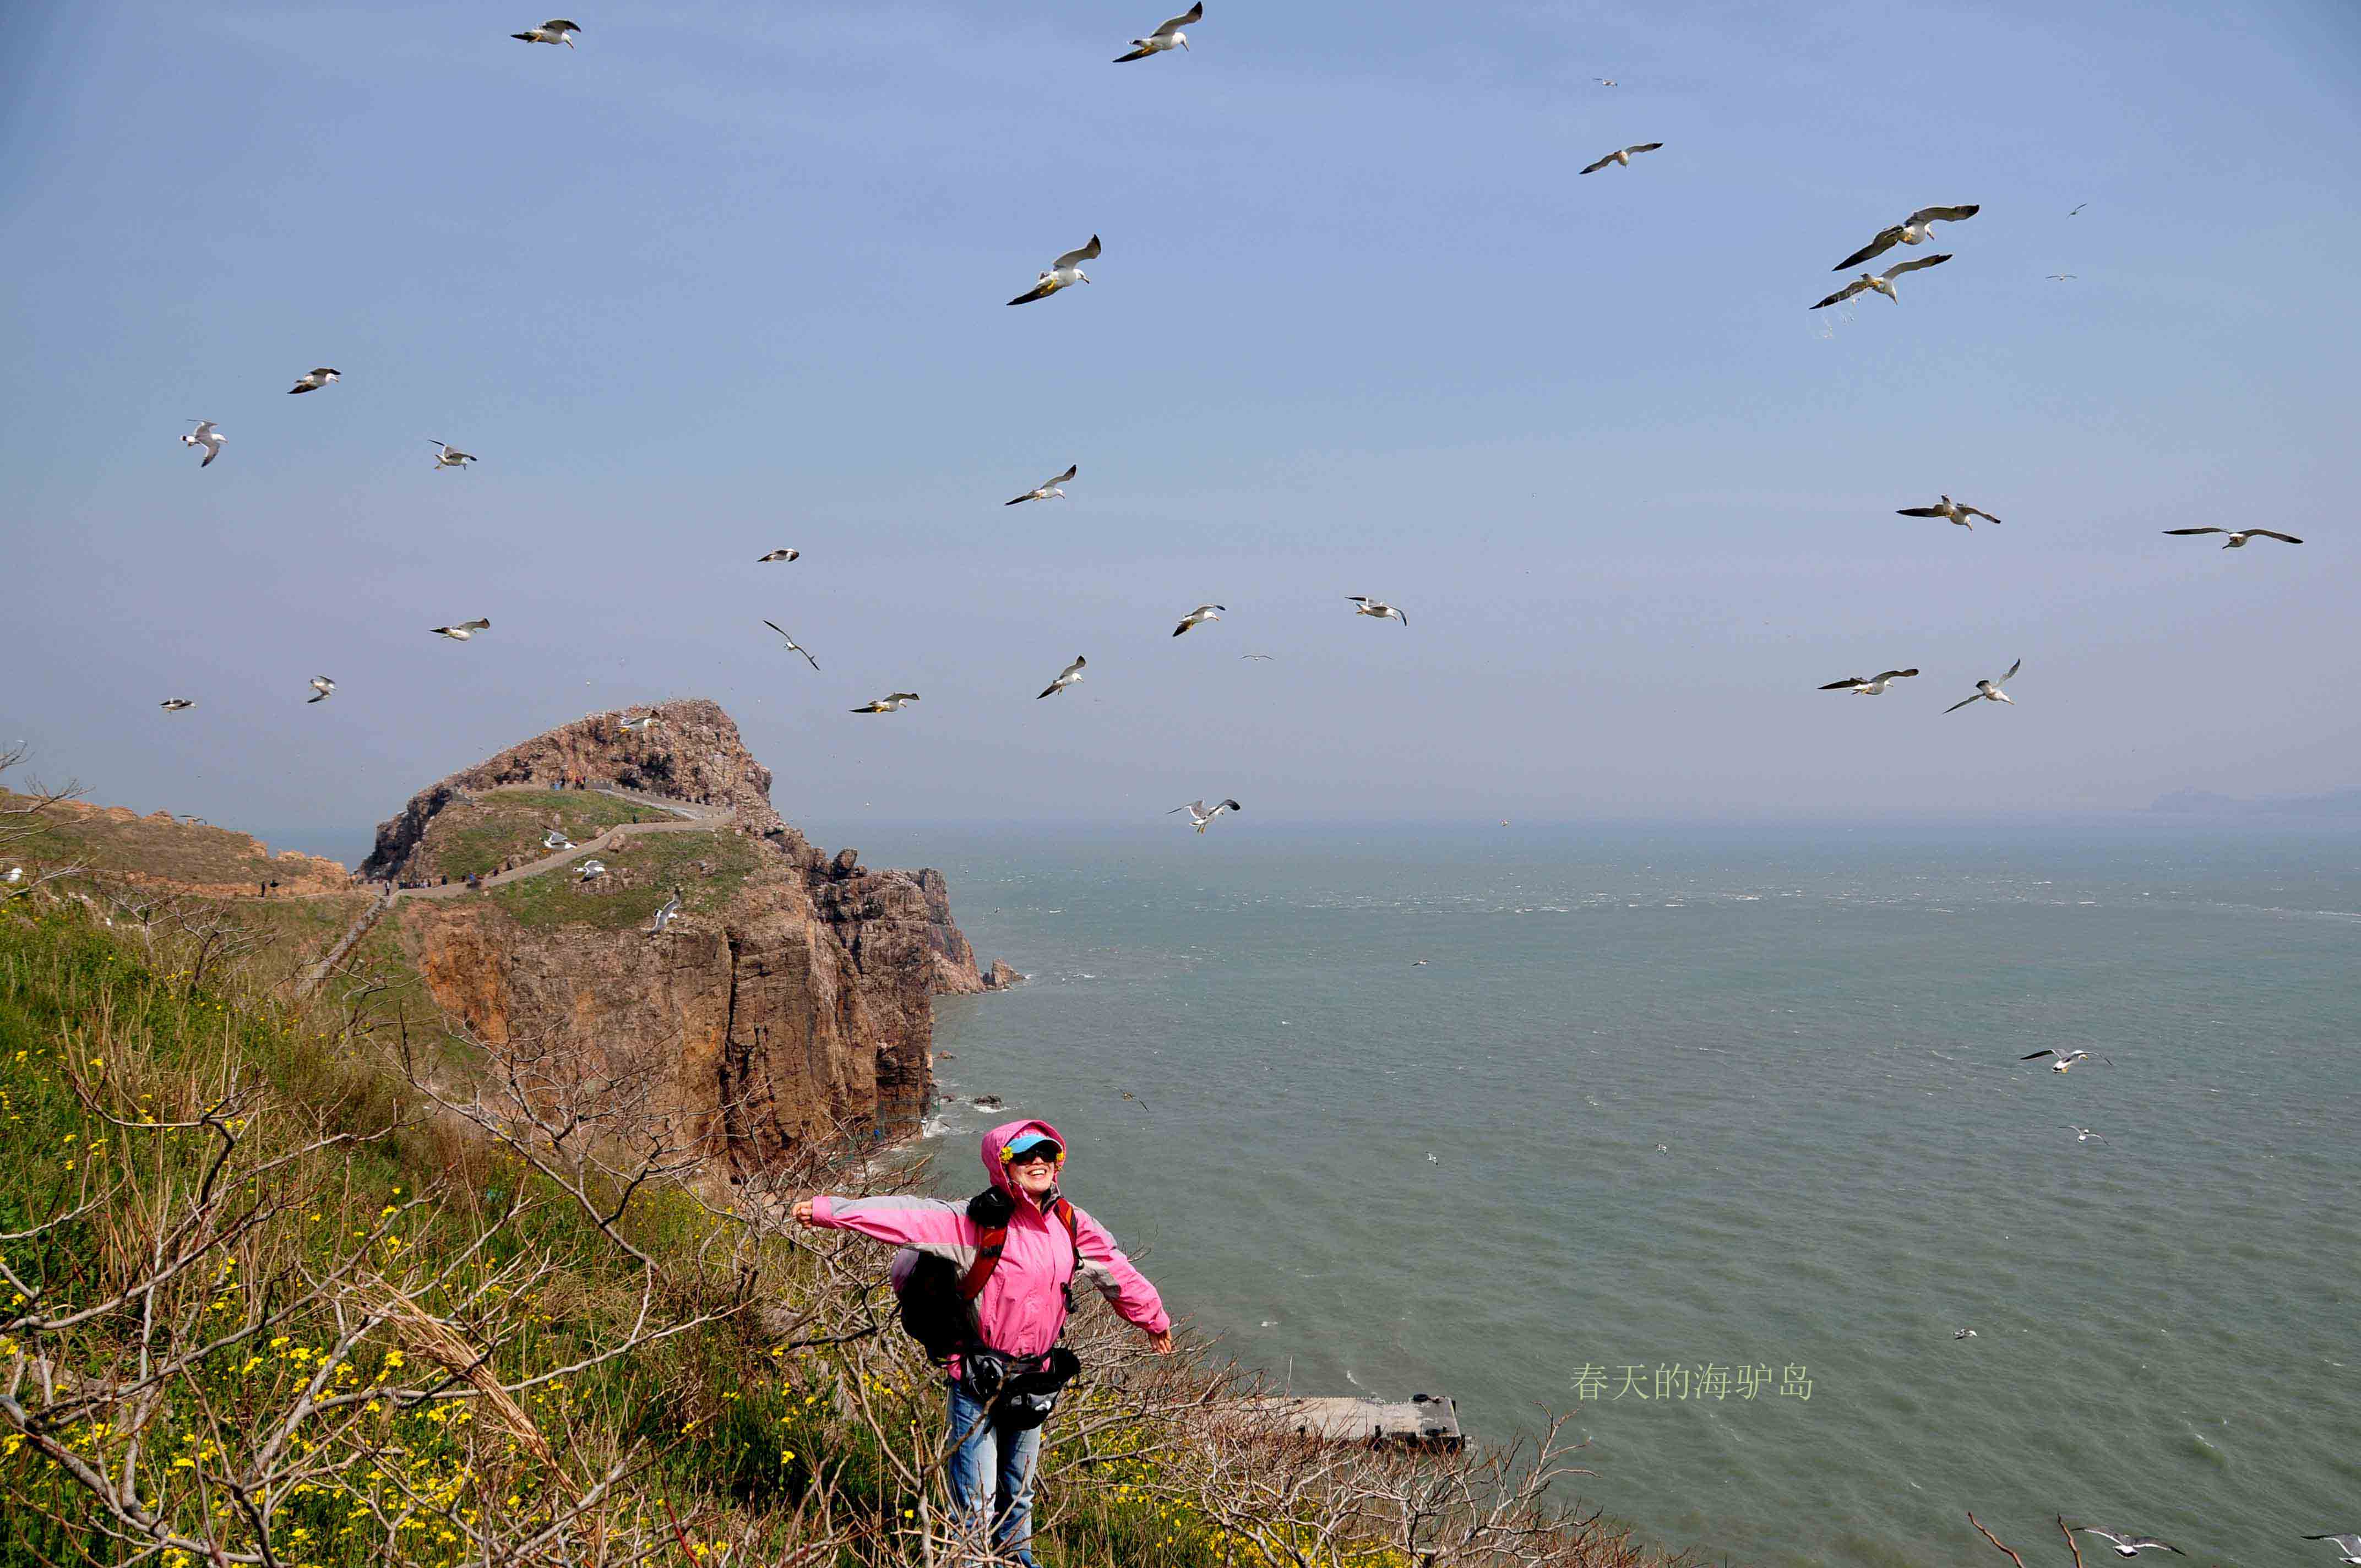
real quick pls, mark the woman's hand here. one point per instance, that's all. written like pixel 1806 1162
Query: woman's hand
pixel 803 1212
pixel 1161 1344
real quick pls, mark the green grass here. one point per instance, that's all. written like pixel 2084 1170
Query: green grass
pixel 640 876
pixel 472 837
pixel 153 848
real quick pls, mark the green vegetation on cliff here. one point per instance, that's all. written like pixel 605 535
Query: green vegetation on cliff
pixel 477 835
pixel 706 866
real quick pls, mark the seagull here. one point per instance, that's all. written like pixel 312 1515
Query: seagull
pixel 641 721
pixel 1064 272
pixel 1433 1159
pixel 1201 816
pixel 794 646
pixel 556 32
pixel 178 704
pixel 555 838
pixel 778 556
pixel 893 704
pixel 16 874
pixel 589 869
pixel 1882 283
pixel 2065 1058
pixel 666 914
pixel 1049 489
pixel 207 436
pixel 1418 963
pixel 1990 692
pixel 1912 230
pixel 1956 511
pixel 462 632
pixel 1265 658
pixel 325 687
pixel 1199 616
pixel 1871 685
pixel 1377 608
pixel 2078 208
pixel 2128 1545
pixel 1964 1334
pixel 2063 276
pixel 1066 677
pixel 2348 1546
pixel 313 381
pixel 451 457
pixel 1624 155
pixel 2084 1135
pixel 1167 37
pixel 1604 81
pixel 2238 536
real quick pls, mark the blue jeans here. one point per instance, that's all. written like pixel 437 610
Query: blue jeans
pixel 989 1465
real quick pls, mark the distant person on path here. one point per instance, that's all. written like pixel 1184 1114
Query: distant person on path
pixel 1020 1311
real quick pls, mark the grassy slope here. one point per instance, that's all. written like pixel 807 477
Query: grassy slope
pixel 641 875
pixel 473 836
pixel 178 851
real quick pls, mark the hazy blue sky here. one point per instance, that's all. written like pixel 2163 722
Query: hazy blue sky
pixel 730 277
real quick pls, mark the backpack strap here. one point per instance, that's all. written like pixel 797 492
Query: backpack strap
pixel 991 1240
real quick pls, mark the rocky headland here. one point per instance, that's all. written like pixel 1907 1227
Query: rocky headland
pixel 791 999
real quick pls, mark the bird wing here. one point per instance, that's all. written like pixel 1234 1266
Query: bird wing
pixel 1943 215
pixel 1041 291
pixel 1356 599
pixel 1918 511
pixel 1841 685
pixel 1954 709
pixel 2012 671
pixel 1399 616
pixel 478 625
pixel 1645 146
pixel 2197 530
pixel 1895 674
pixel 1072 469
pixel 560 24
pixel 1073 669
pixel 2283 538
pixel 1088 253
pixel 1193 15
pixel 1886 240
pixel 1842 295
pixel 1979 511
pixel 1899 267
pixel 2045 1051
pixel 204 428
pixel 1136 54
pixel 211 453
pixel 1594 167
pixel 1231 806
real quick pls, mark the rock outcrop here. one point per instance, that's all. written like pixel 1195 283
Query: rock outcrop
pixel 791 999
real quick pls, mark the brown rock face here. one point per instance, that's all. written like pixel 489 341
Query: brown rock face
pixel 787 1003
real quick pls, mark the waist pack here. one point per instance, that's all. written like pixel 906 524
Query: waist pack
pixel 937 1299
pixel 1019 1390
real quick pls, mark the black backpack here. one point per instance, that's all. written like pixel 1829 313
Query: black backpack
pixel 938 1301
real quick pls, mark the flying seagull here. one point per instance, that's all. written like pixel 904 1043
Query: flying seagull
pixel 557 30
pixel 462 632
pixel 641 721
pixel 2063 276
pixel 1882 281
pixel 1964 1334
pixel 178 704
pixel 2078 207
pixel 2128 1545
pixel 313 381
pixel 778 556
pixel 555 838
pixel 1377 608
pixel 1606 80
pixel 2084 1135
pixel 1990 690
pixel 1199 814
pixel 451 456
pixel 2347 1546
pixel 323 687
pixel 1066 677
pixel 589 869
pixel 1199 616
pixel 1956 512
pixel 665 914
pixel 2065 1058
pixel 1064 273
pixel 1049 489
pixel 794 646
pixel 2238 536
pixel 1265 658
pixel 207 436
pixel 1868 685
pixel 1622 156
pixel 893 704
pixel 1912 230
pixel 1167 37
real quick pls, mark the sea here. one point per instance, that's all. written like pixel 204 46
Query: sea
pixel 1713 1139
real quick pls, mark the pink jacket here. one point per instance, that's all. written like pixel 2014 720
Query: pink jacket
pixel 1023 1308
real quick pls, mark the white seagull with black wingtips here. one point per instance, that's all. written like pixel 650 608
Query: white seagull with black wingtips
pixel 1199 616
pixel 1064 273
pixel 2065 1058
pixel 451 456
pixel 2238 536
pixel 461 632
pixel 793 646
pixel 1912 230
pixel 1066 677
pixel 1949 509
pixel 557 30
pixel 313 381
pixel 2129 1545
pixel 1377 608
pixel 324 689
pixel 1203 814
pixel 207 436
pixel 1989 691
pixel 1049 489
pixel 1622 156
pixel 1167 36
pixel 1868 685
pixel 1882 283
pixel 2348 1546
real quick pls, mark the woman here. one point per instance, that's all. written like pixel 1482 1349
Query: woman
pixel 1020 1313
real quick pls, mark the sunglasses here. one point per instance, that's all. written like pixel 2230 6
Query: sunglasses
pixel 1049 1153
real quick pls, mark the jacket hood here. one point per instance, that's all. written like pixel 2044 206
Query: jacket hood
pixel 998 1139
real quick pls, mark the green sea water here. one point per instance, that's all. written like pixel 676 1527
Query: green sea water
pixel 1729 1135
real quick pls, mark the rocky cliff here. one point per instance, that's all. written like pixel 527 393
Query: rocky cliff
pixel 789 1000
